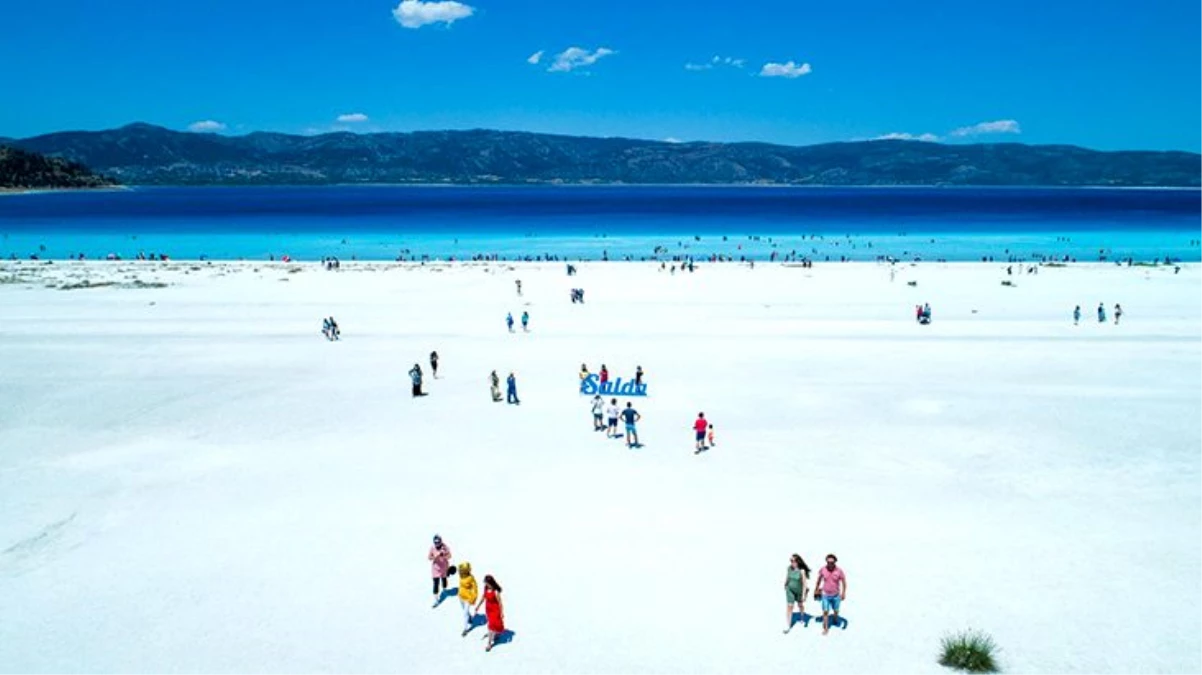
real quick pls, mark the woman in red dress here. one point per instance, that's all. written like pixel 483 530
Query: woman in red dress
pixel 493 609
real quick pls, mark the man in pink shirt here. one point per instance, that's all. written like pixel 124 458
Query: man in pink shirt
pixel 832 587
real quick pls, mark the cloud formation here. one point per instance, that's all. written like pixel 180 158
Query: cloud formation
pixel 788 69
pixel 206 126
pixel 901 136
pixel 535 58
pixel 416 13
pixel 716 61
pixel 576 57
pixel 352 117
pixel 996 127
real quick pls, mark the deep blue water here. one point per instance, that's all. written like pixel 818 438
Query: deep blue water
pixel 378 222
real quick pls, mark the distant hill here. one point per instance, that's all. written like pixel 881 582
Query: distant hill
pixel 146 154
pixel 22 169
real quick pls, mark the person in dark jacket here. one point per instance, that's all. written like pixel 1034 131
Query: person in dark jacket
pixel 415 374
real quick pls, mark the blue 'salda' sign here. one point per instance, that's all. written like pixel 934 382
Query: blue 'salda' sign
pixel 592 385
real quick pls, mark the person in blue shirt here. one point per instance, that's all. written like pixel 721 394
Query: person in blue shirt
pixel 630 416
pixel 525 320
pixel 509 321
pixel 1076 315
pixel 511 390
pixel 1101 313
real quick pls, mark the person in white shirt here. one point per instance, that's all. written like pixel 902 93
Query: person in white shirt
pixel 611 413
pixel 598 409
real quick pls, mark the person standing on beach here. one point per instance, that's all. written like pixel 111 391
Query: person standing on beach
pixel 440 563
pixel 509 321
pixel 1118 313
pixel 712 443
pixel 699 428
pixel 797 578
pixel 495 381
pixel 519 285
pixel 630 416
pixel 493 609
pixel 583 374
pixel 468 594
pixel 611 415
pixel 525 322
pixel 415 374
pixel 598 409
pixel 604 374
pixel 638 376
pixel 434 364
pixel 1101 313
pixel 832 584
pixel 1077 315
pixel 511 393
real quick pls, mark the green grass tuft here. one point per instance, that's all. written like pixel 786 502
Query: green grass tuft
pixel 971 651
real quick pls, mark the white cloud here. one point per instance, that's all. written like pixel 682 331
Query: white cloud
pixel 997 127
pixel 416 13
pixel 896 136
pixel 352 117
pixel 788 69
pixel 575 57
pixel 535 58
pixel 206 126
pixel 716 61
pixel 672 139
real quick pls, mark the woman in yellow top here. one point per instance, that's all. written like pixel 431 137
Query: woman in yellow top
pixel 468 593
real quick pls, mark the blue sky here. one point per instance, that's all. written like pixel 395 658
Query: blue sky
pixel 1107 75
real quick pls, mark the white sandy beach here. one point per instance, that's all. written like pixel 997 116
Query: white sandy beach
pixel 193 480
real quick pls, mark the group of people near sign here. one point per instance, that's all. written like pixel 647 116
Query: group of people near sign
pixel 610 413
pixel 468 591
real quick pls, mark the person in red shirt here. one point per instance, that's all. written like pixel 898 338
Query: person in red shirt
pixel 700 427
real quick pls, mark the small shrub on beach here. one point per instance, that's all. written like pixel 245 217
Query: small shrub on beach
pixel 970 651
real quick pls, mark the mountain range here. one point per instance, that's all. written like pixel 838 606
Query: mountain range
pixel 22 170
pixel 151 155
